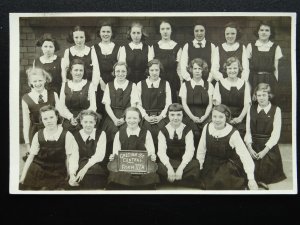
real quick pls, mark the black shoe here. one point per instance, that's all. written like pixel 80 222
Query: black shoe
pixel 25 156
pixel 263 185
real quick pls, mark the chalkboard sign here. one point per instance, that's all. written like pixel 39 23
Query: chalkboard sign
pixel 133 161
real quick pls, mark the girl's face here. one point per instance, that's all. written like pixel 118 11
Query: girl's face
pixel 49 119
pixel 121 72
pixel 262 98
pixel 77 72
pixel 218 119
pixel 79 38
pixel 197 71
pixel 105 33
pixel 37 82
pixel 232 70
pixel 230 35
pixel 88 123
pixel 199 32
pixel 264 33
pixel 136 34
pixel 165 30
pixel 48 48
pixel 154 71
pixel 175 118
pixel 132 119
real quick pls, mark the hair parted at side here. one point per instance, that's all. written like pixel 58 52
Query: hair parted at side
pixel 200 62
pixel 47 37
pixel 236 27
pixel 31 71
pixel 105 24
pixel 70 38
pixel 155 62
pixel 47 108
pixel 265 23
pixel 75 61
pixel 223 109
pixel 88 112
pixel 136 24
pixel 262 87
pixel 231 60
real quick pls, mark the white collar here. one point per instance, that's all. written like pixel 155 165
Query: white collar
pixel 76 86
pixel 229 48
pixel 136 46
pixel 219 133
pixel 36 94
pixel 178 130
pixel 155 83
pixel 269 44
pixel 122 86
pixel 85 136
pixel 166 45
pixel 82 53
pixel 44 61
pixel 54 136
pixel 133 132
pixel 227 84
pixel 266 109
pixel 203 43
pixel 193 83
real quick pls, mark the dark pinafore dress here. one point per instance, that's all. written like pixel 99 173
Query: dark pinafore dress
pixel 48 169
pixel 76 101
pixel 34 109
pixel 268 169
pixel 106 63
pixel 137 60
pixel 222 168
pixel 262 68
pixel 197 100
pixel 133 142
pixel 224 55
pixel 202 53
pixel 168 59
pixel 54 69
pixel 154 102
pixel 175 151
pixel 234 99
pixel 88 66
pixel 96 176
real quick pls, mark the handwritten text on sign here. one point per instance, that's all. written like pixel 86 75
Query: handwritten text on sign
pixel 133 161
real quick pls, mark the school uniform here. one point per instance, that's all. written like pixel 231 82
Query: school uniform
pixel 85 55
pixel 31 104
pixel 74 98
pixel 194 49
pixel 48 170
pixel 177 149
pixel 262 57
pixel 169 55
pixel 53 67
pixel 92 149
pixel 224 158
pixel 154 98
pixel 263 129
pixel 104 56
pixel 136 58
pixel 197 98
pixel 236 96
pixel 224 52
pixel 139 139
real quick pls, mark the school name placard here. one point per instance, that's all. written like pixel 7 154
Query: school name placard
pixel 133 161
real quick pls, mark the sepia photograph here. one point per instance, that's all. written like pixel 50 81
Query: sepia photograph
pixel 153 103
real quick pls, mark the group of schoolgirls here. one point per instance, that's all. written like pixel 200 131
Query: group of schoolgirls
pixel 139 113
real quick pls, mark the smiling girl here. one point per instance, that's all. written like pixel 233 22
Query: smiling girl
pixel 52 147
pixel 263 129
pixel 225 163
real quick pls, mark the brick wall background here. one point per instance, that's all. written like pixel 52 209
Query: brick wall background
pixel 31 28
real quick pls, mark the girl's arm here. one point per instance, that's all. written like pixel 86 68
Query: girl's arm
pixel 189 150
pixel 133 98
pixel 215 64
pixel 122 57
pixel 162 150
pixel 65 62
pixel 201 151
pixel 278 55
pixel 150 53
pixel 92 98
pixel 183 96
pixel 26 121
pixel 26 167
pixel 96 77
pixel 275 135
pixel 106 101
pixel 216 99
pixel 184 63
pixel 247 102
pixel 64 110
pixel 72 153
pixel 168 100
pixel 150 146
pixel 245 64
pixel 116 144
pixel 178 69
pixel 248 136
pixel 138 96
pixel 209 106
pixel 57 103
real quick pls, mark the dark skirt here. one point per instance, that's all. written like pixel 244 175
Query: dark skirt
pixel 269 169
pixel 222 174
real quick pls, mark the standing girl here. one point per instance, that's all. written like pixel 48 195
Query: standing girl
pixel 79 37
pixel 196 97
pixel 234 93
pixel 231 48
pixel 263 57
pixel 49 61
pixel 132 137
pixel 76 95
pixel 223 156
pixel 33 101
pixel 52 147
pixel 198 48
pixel 136 54
pixel 154 98
pixel 92 147
pixel 168 52
pixel 263 129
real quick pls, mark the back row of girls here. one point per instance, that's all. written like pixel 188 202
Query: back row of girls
pixel 259 59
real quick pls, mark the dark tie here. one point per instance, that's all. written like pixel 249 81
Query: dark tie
pixel 152 86
pixel 175 136
pixel 88 140
pixel 41 99
pixel 200 44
